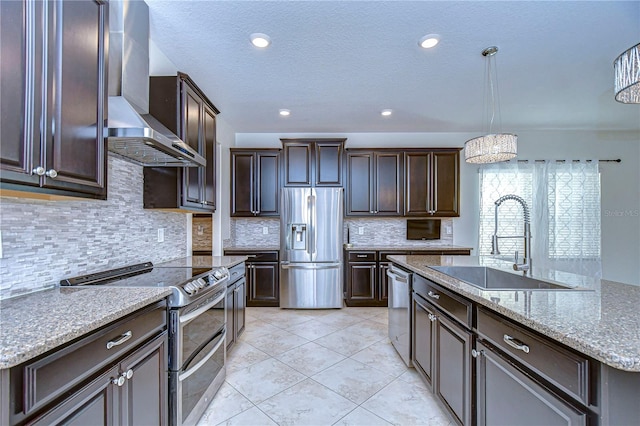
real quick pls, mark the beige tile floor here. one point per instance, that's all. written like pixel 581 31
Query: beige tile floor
pixel 320 367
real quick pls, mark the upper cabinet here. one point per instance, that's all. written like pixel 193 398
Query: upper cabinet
pixel 374 183
pixel 54 97
pixel 255 183
pixel 178 103
pixel 432 183
pixel 316 162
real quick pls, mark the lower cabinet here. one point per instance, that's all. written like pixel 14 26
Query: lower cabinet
pixel 262 287
pixel 507 395
pixel 235 304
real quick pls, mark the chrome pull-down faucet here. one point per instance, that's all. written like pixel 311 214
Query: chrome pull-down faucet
pixel 526 261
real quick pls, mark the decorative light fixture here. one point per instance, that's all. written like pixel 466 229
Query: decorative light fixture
pixel 429 41
pixel 260 40
pixel 492 147
pixel 386 112
pixel 627 70
pixel 285 112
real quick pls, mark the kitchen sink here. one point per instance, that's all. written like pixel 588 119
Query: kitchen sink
pixel 495 279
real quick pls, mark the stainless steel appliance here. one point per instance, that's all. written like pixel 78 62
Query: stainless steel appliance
pixel 400 311
pixel 197 329
pixel 311 248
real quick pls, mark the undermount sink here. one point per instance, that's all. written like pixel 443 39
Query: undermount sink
pixel 495 279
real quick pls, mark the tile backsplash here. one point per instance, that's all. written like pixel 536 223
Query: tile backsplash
pixel 249 232
pixel 46 241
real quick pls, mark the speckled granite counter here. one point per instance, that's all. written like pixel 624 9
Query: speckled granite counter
pixel 252 248
pixel 35 323
pixel 602 322
pixel 203 262
pixel 443 247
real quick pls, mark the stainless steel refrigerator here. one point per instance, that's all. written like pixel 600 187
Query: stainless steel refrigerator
pixel 311 248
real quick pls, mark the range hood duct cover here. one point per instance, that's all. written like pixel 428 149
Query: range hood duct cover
pixel 132 132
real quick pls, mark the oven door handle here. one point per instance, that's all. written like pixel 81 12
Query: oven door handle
pixel 200 363
pixel 191 315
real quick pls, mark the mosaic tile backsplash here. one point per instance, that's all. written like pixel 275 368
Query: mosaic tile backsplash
pixel 377 232
pixel 46 241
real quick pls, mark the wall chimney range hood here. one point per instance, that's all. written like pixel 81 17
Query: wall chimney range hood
pixel 132 132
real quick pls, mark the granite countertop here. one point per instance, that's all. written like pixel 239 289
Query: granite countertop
pixel 35 323
pixel 600 319
pixel 442 247
pixel 253 248
pixel 203 262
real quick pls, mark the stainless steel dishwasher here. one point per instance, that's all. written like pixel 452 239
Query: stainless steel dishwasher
pixel 400 311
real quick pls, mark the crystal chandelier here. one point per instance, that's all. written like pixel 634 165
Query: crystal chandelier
pixel 627 71
pixel 492 147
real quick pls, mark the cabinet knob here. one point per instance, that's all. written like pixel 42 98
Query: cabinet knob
pixel 433 295
pixel 129 373
pixel 432 317
pixel 119 381
pixel 39 171
pixel 51 173
pixel 370 211
pixel 476 353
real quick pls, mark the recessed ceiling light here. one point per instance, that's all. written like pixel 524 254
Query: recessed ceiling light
pixel 429 41
pixel 260 40
pixel 285 112
pixel 386 112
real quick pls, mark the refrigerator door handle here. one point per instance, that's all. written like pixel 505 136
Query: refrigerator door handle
pixel 287 265
pixel 313 233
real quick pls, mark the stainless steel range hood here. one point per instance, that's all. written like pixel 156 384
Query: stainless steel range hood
pixel 133 133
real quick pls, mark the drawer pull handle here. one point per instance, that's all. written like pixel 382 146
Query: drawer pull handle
pixel 433 295
pixel 361 255
pixel 515 343
pixel 120 340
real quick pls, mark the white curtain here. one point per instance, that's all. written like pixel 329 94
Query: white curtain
pixel 564 200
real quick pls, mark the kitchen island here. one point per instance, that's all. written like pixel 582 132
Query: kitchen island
pixel 573 351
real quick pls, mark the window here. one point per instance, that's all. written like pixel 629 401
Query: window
pixel 564 199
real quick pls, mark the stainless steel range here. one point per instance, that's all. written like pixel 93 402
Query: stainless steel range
pixel 197 329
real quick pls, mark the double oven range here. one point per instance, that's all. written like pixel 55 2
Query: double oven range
pixel 197 329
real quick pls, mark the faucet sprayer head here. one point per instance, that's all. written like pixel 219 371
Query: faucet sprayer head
pixel 520 200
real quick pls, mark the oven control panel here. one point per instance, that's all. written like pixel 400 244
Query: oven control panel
pixel 205 281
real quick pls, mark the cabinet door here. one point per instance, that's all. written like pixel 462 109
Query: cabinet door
pixel 268 184
pixel 242 183
pixel 359 191
pixel 297 164
pixel 383 283
pixel 361 284
pixel 209 172
pixel 417 173
pixel 445 186
pixel 231 316
pixel 508 396
pixel 422 338
pixel 144 393
pixel 191 134
pixel 388 184
pixel 95 404
pixel 263 284
pixel 328 159
pixel 453 380
pixel 77 96
pixel 239 307
pixel 19 134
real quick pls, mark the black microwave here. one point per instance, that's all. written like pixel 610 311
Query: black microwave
pixel 423 229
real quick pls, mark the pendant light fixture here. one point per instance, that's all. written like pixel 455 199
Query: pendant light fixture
pixel 627 71
pixel 492 147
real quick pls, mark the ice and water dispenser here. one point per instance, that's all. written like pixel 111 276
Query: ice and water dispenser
pixel 298 238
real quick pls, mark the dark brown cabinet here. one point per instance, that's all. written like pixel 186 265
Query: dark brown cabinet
pixel 442 345
pixel 235 304
pixel 262 277
pixel 432 183
pixel 54 97
pixel 255 183
pixel 374 183
pixel 178 103
pixel 316 162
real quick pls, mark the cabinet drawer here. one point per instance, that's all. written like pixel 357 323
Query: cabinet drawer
pixel 566 370
pixel 384 254
pixel 255 256
pixel 452 305
pixel 236 272
pixel 362 256
pixel 55 374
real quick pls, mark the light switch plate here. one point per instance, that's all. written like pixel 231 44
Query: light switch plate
pixel 160 235
pixel 448 229
pixel 360 230
pixel 265 230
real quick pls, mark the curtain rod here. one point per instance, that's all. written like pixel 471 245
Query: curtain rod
pixel 575 161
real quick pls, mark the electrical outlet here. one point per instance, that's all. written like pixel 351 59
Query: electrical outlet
pixel 1 255
pixel 265 230
pixel 360 230
pixel 448 229
pixel 160 235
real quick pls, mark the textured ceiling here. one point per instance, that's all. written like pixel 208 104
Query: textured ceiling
pixel 336 64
